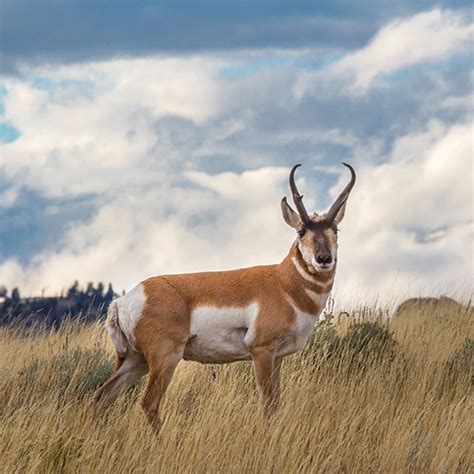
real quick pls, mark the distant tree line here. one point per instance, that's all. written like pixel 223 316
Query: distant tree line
pixel 88 304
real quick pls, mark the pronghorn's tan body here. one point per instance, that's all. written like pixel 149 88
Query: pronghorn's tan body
pixel 224 315
pixel 259 313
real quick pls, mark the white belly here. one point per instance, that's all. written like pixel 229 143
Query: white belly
pixel 220 335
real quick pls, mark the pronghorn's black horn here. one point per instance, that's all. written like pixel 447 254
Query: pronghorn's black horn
pixel 297 197
pixel 340 201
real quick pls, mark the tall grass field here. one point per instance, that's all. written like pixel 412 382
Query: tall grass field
pixel 367 394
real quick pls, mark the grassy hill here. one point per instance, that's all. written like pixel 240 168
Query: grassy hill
pixel 386 396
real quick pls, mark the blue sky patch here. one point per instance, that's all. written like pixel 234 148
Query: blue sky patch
pixel 42 83
pixel 246 68
pixel 237 71
pixel 35 223
pixel 320 62
pixel 8 133
pixel 80 88
pixel 411 71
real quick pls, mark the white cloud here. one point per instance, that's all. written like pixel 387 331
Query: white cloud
pixel 410 220
pixel 251 185
pixel 132 236
pixel 81 143
pixel 427 36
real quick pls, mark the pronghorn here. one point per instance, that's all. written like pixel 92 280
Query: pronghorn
pixel 260 313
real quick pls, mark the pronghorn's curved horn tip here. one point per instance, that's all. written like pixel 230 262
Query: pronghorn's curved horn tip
pixel 331 214
pixel 295 167
pixel 347 165
pixel 297 197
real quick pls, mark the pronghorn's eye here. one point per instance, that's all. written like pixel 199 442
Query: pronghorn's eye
pixel 301 232
pixel 335 230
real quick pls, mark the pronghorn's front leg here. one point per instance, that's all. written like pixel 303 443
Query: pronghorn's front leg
pixel 264 365
pixel 276 381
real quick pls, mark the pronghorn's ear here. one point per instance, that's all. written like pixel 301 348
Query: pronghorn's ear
pixel 340 214
pixel 290 216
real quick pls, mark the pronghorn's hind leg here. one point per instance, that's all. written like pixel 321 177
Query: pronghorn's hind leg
pixel 129 371
pixel 130 365
pixel 162 365
pixel 162 332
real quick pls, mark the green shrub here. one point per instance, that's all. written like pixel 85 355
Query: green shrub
pixel 363 343
pixel 461 363
pixel 369 340
pixel 368 337
pixel 324 342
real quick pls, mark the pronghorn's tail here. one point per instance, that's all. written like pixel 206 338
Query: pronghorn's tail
pixel 115 332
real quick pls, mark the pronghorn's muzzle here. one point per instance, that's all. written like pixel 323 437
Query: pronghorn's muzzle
pixel 324 259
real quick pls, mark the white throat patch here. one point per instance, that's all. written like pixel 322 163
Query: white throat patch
pixel 307 276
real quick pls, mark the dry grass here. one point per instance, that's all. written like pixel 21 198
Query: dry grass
pixel 406 409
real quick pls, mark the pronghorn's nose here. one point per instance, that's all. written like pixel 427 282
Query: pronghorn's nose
pixel 324 259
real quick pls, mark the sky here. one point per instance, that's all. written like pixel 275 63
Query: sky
pixel 143 138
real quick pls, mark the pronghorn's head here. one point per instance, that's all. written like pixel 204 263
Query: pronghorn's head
pixel 317 234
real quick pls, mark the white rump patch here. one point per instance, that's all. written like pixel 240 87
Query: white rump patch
pixel 118 338
pixel 220 335
pixel 130 309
